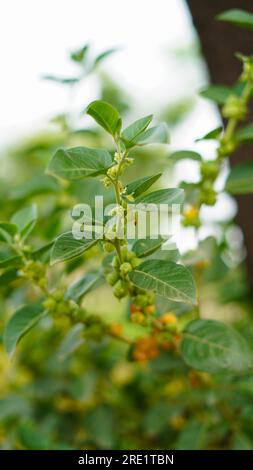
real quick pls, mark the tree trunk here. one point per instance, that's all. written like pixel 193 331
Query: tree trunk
pixel 220 41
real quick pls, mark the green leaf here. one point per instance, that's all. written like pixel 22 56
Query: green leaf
pixel 66 247
pixel 238 17
pixel 79 162
pixel 192 437
pixel 217 93
pixel 20 323
pixel 72 341
pixel 8 257
pixel 101 427
pixel 245 134
pixel 132 132
pixel 167 279
pixel 84 285
pixel 215 347
pixel 185 155
pixel 104 56
pixel 147 246
pixel 155 135
pixel 41 184
pixel 212 135
pixel 162 196
pixel 80 55
pixel 136 188
pixel 25 220
pixel 7 231
pixel 240 179
pixel 106 116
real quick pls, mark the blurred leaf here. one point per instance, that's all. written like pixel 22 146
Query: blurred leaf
pixel 20 323
pixel 101 57
pixel 238 17
pixel 8 257
pixel 212 135
pixel 217 93
pixel 240 179
pixel 184 155
pixel 105 115
pixel 156 419
pixel 192 437
pixel 66 247
pixel 167 279
pixel 215 347
pixel 7 231
pixel 101 427
pixel 79 162
pixel 244 134
pixel 72 341
pixel 42 184
pixel 25 220
pixel 135 188
pixel 13 406
pixel 85 284
pixel 62 80
pixel 155 135
pixel 32 438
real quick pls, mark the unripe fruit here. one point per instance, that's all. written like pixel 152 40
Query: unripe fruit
pixel 208 197
pixel 116 329
pixel 62 307
pixel 234 107
pixel 50 304
pixel 150 309
pixel 112 278
pixel 134 308
pixel 108 247
pixel 141 300
pixel 138 318
pixel 209 169
pixel 58 295
pixel 135 262
pixel 42 283
pixel 125 268
pixel 119 290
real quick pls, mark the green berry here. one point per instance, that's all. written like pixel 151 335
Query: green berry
pixel 141 300
pixel 112 278
pixel 135 262
pixel 119 290
pixel 108 247
pixel 50 304
pixel 58 295
pixel 125 268
pixel 209 170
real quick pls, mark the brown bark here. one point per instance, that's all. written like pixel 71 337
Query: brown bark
pixel 219 42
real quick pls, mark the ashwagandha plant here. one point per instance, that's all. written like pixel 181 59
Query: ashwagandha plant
pixel 138 271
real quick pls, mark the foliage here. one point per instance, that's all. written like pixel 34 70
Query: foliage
pixel 110 343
